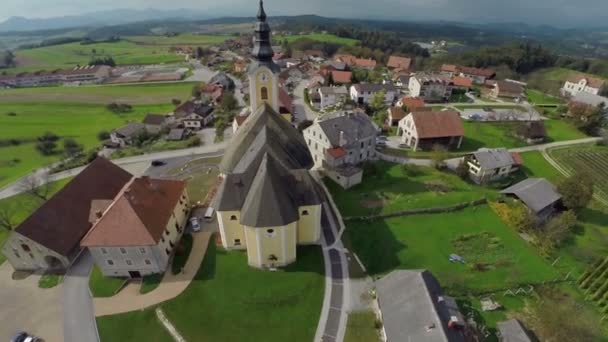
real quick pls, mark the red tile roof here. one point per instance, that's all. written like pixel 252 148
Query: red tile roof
pixel 517 159
pixel 477 71
pixel 61 222
pixel 462 81
pixel 348 59
pixel 412 102
pixel 365 62
pixel 399 62
pixel 449 68
pixel 139 214
pixel 286 102
pixel 397 113
pixel 240 119
pixel 438 124
pixel 337 152
pixel 342 77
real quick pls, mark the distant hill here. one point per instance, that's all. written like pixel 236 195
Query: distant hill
pixel 98 19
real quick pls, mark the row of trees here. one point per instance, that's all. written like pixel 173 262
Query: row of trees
pixel 46 144
pixel 109 61
pixel 7 59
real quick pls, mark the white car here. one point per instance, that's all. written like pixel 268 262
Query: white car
pixel 196 227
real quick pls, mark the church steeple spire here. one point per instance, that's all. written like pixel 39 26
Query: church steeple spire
pixel 262 49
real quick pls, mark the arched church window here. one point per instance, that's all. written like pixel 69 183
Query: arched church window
pixel 264 94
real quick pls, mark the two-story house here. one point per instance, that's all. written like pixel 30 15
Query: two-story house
pixel 339 142
pixel 582 83
pixel 126 134
pixel 424 130
pixel 330 96
pixel 194 115
pixel 488 165
pixel 431 87
pixel 136 233
pixel 363 93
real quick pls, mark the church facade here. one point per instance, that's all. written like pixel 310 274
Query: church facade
pixel 267 202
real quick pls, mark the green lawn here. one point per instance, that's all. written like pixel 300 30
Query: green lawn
pixel 79 121
pixel 535 165
pixel 67 56
pixel 591 158
pixel 538 97
pixel 321 37
pixel 230 301
pixel 23 205
pixel 182 253
pixel 181 39
pixel 361 327
pixel 134 94
pixel 102 286
pixel 150 282
pixel 48 281
pixel 426 241
pixel 204 173
pixel 389 189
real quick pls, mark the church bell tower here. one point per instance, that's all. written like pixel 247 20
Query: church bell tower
pixel 263 73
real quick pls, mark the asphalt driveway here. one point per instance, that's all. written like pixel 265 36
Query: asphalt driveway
pixel 26 307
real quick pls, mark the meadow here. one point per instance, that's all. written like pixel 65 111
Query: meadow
pixel 181 39
pixel 79 121
pixel 320 37
pixel 593 159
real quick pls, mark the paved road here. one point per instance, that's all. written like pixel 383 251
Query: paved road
pixel 200 73
pixel 303 111
pixel 135 164
pixel 78 313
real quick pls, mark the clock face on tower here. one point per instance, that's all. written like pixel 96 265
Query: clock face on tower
pixel 263 77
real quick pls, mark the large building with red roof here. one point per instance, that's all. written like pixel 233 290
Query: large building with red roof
pixel 424 130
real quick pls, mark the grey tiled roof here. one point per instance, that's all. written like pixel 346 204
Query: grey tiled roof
pixel 590 99
pixel 355 125
pixel 496 158
pixel 131 129
pixel 536 193
pixel 414 309
pixel 513 331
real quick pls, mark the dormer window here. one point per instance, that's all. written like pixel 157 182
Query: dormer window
pixel 304 212
pixel 233 218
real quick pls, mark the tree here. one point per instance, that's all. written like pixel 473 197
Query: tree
pixel 329 81
pixel 576 190
pixel 438 156
pixel 377 102
pixel 199 52
pixel 72 148
pixel 557 230
pixel 36 185
pixel 176 102
pixel 229 102
pixel 7 217
pixel 46 144
pixel 196 91
pixel 589 119
pixel 103 135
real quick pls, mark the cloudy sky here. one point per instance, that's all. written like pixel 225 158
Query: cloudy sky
pixel 564 13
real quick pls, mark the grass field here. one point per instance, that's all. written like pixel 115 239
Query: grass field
pixel 321 37
pixel 48 281
pixel 132 94
pixel 535 165
pixel 550 80
pixel 361 327
pixel 23 205
pixel 230 301
pixel 150 282
pixel 426 241
pixel 182 39
pixel 79 121
pixel 102 286
pixel 538 97
pixel 72 54
pixel 389 189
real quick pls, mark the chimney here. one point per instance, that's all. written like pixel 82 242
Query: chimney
pixel 98 214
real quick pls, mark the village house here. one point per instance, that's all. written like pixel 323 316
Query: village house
pixel 240 66
pixel 462 82
pixel 49 239
pixel 506 89
pixel 339 77
pixel 339 142
pixel 362 93
pixel 126 134
pixel 286 106
pixel 588 99
pixel 489 165
pixel 431 87
pixel 411 103
pixel 397 62
pixel 477 75
pixel 532 132
pixel 402 80
pixel 538 194
pixel 222 80
pixel 395 114
pixel 330 96
pixel 365 63
pixel 582 83
pixel 424 130
pixel 413 308
pixel 137 232
pixel 155 123
pixel 194 115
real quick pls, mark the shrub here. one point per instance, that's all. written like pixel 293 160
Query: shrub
pixel 119 108
pixel 411 170
pixel 11 114
pixel 193 141
pixel 103 135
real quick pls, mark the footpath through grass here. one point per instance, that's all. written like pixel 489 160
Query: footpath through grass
pixel 230 301
pixel 387 188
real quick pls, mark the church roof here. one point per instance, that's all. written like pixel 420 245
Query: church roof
pixel 276 135
pixel 269 203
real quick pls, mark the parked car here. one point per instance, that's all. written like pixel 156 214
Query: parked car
pixel 158 163
pixel 381 143
pixel 404 145
pixel 25 337
pixel 382 137
pixel 196 227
